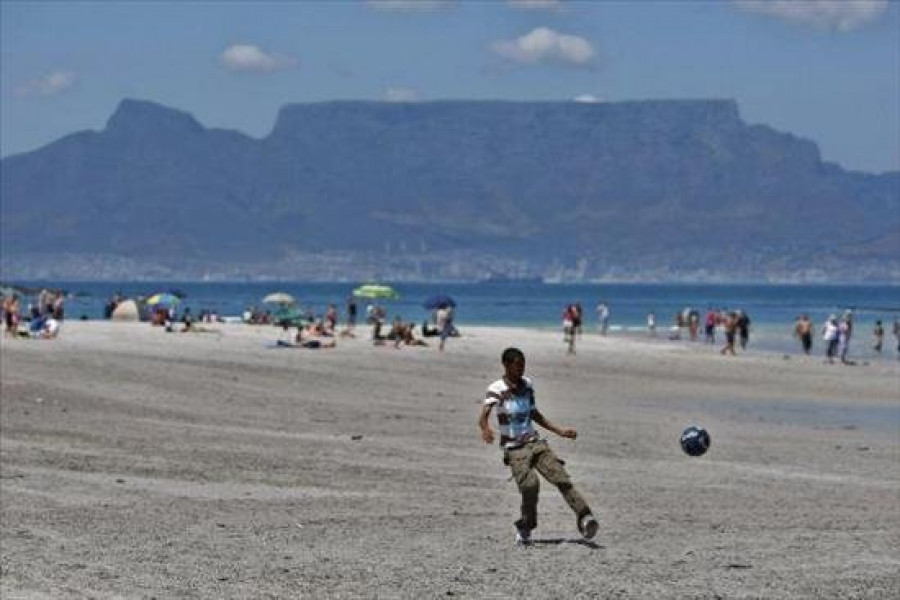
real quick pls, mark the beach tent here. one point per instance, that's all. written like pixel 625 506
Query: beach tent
pixel 127 310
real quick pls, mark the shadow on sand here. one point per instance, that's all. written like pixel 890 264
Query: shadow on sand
pixel 558 541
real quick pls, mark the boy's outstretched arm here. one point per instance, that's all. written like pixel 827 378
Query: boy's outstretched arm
pixel 487 434
pixel 566 432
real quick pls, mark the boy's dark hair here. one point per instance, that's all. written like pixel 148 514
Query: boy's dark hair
pixel 511 354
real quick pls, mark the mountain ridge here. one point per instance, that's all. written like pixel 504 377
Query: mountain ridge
pixel 661 185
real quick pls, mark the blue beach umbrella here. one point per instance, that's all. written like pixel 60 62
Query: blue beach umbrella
pixel 439 301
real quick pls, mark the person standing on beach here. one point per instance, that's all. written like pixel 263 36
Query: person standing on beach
pixel 730 325
pixel 896 329
pixel 743 328
pixel 845 330
pixel 693 325
pixel 11 315
pixel 577 315
pixel 331 318
pixel 803 330
pixel 651 324
pixel 524 451
pixel 878 333
pixel 710 326
pixel 448 329
pixel 603 317
pixel 351 313
pixel 569 328
pixel 444 323
pixel 830 337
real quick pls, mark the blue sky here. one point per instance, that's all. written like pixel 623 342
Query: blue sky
pixel 826 70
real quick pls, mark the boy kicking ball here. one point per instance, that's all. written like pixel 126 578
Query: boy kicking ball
pixel 524 451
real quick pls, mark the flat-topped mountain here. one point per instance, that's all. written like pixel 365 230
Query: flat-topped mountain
pixel 587 190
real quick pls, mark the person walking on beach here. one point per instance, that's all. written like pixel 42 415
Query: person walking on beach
pixel 524 451
pixel 878 333
pixel 803 330
pixel 651 324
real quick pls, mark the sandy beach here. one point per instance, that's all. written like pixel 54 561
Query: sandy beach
pixel 138 464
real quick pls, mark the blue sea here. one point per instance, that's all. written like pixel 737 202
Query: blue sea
pixel 772 308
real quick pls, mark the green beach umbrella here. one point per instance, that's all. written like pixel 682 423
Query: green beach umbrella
pixel 372 290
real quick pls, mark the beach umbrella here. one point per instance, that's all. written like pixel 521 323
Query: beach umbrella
pixel 162 300
pixel 438 301
pixel 372 290
pixel 279 298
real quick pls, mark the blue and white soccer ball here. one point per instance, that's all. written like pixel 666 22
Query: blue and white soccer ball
pixel 695 440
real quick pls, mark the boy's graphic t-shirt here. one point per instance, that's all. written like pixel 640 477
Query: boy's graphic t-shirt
pixel 515 412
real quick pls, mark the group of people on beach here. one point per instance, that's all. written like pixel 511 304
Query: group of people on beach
pixel 323 331
pixel 440 325
pixel 837 333
pixel 44 317
pixel 735 325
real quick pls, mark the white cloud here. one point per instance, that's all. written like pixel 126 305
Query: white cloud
pixel 247 57
pixel 536 4
pixel 47 85
pixel 840 15
pixel 544 45
pixel 401 95
pixel 410 5
pixel 587 99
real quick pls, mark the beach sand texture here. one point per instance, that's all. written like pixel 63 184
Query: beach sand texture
pixel 137 463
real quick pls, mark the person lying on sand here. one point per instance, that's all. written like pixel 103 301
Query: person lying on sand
pixel 311 343
pixel 403 333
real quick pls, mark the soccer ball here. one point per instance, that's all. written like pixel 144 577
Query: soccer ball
pixel 695 440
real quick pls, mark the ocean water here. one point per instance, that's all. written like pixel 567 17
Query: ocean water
pixel 772 308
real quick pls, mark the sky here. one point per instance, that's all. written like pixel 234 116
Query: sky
pixel 824 70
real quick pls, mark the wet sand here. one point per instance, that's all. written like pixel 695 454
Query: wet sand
pixel 135 463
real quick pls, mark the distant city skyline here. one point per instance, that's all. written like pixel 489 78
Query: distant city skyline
pixel 824 70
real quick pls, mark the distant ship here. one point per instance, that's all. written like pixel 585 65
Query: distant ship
pixel 506 279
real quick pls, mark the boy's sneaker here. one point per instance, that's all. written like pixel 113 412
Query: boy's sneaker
pixel 523 537
pixel 588 526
